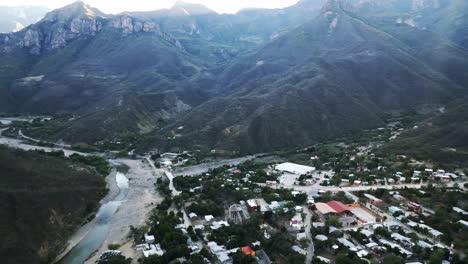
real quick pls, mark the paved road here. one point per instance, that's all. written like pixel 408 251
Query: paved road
pixel 20 133
pixel 168 174
pixel 308 224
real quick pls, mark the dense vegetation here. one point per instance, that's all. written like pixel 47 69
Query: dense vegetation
pixel 441 138
pixel 256 81
pixel 44 199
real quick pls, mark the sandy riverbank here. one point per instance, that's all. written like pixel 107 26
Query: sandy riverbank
pixel 141 199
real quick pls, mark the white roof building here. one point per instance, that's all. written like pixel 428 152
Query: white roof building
pixel 301 236
pixel 463 222
pixel 294 168
pixel 367 233
pixel 321 238
pixel 459 211
pixel 153 250
pixel 217 225
pixel 149 239
pixel 193 215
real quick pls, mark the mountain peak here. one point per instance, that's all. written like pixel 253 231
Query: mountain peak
pixel 182 8
pixel 333 6
pixel 78 9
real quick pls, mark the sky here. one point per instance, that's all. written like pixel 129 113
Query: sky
pixel 117 6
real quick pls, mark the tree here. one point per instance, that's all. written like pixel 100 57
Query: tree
pixel 333 221
pixel 392 259
pixel 437 257
pixel 113 258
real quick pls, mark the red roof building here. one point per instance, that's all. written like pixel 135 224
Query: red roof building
pixel 338 207
pixel 333 207
pixel 248 251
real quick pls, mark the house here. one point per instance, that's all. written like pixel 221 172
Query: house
pixel 321 238
pixel 299 250
pixel 152 249
pixel 166 163
pixel 362 253
pixel 445 178
pixel 334 207
pixel 193 216
pixel 347 244
pixel 459 211
pixel 372 199
pixel 248 251
pixel 263 205
pixel 399 197
pixel 424 244
pixel 463 222
pixel 297 223
pixel 414 206
pixel 199 227
pixel 301 236
pixel 149 239
pixel 367 233
pixel 402 239
pixel 324 259
pixel 252 204
pixel 371 245
pixel 218 224
pixel 208 218
pixel 394 209
pixel 220 251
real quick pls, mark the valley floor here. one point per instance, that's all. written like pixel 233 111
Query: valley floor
pixel 141 198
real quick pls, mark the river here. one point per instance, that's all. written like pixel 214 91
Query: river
pixel 98 229
pixel 96 236
pixel 9 120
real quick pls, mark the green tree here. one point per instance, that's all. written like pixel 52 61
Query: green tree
pixel 392 259
pixel 333 221
pixel 112 258
pixel 437 257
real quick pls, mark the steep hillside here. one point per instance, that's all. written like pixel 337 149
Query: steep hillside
pixel 148 65
pixel 329 77
pixel 448 18
pixel 44 199
pixel 257 80
pixel 441 138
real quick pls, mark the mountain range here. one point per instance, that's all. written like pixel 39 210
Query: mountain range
pixel 254 81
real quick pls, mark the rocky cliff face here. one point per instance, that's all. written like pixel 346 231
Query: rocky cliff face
pixel 56 29
pixel 76 21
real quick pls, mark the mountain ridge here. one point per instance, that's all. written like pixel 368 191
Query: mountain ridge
pixel 227 79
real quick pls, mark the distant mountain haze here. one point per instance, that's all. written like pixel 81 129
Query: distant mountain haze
pixel 257 80
pixel 14 19
pixel 115 7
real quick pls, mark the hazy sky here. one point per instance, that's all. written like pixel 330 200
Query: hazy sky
pixel 117 6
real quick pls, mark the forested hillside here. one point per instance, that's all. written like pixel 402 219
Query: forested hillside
pixel 44 199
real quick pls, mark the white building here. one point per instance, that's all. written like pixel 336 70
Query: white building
pixel 294 168
pixel 153 250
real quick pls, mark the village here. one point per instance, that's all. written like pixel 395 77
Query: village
pixel 355 206
pixel 336 202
